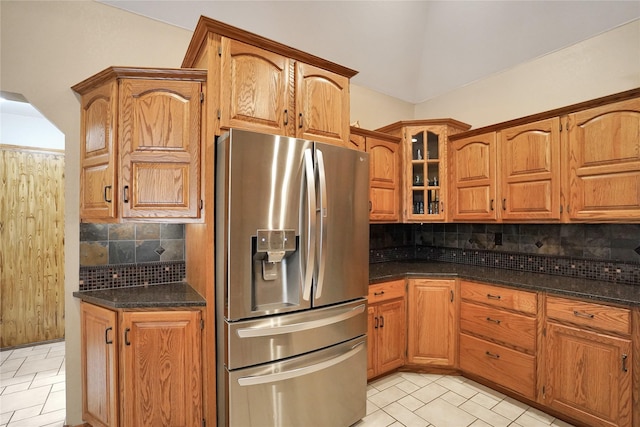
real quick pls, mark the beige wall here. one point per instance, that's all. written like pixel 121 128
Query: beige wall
pixel 374 110
pixel 46 48
pixel 603 65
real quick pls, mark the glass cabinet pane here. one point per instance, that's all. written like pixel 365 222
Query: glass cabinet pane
pixel 425 174
pixel 433 146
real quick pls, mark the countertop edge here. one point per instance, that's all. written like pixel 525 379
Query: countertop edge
pixel 451 270
pixel 174 295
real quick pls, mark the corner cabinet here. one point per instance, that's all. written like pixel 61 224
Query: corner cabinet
pixel 140 155
pixel 604 163
pixel 386 327
pixel 384 173
pixel 425 181
pixel 589 362
pixel 141 368
pixel 432 322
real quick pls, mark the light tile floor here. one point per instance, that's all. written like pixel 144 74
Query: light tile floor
pixel 406 399
pixel 32 394
pixel 32 386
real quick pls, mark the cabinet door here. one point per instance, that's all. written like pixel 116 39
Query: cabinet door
pixel 384 180
pixel 160 148
pixel 589 376
pixel 372 330
pixel 98 185
pixel 391 342
pixel 432 322
pixel 161 369
pixel 256 89
pixel 322 105
pixel 473 178
pixel 604 162
pixel 425 173
pixel 99 343
pixel 530 171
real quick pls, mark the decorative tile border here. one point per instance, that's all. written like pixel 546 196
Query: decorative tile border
pixel 604 270
pixel 128 275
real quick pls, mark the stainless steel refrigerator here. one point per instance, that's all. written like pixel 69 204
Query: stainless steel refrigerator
pixel 292 239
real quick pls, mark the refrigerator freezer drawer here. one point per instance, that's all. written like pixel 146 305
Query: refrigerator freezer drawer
pixel 291 392
pixel 258 341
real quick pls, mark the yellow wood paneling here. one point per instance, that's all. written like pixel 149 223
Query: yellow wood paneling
pixel 31 245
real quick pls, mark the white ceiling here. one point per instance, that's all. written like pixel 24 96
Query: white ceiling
pixel 412 50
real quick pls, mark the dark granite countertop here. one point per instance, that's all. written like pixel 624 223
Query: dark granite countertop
pixel 561 285
pixel 179 294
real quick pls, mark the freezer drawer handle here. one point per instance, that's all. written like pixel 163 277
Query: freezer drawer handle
pixel 298 327
pixel 294 373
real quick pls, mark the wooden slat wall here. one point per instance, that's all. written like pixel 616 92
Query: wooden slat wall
pixel 31 245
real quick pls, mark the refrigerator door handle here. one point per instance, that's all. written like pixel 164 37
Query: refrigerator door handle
pixel 303 326
pixel 311 224
pixel 322 210
pixel 294 373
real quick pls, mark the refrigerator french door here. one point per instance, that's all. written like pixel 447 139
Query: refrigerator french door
pixel 292 238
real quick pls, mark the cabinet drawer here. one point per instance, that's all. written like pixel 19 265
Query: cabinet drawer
pixel 599 316
pixel 386 291
pixel 509 328
pixel 497 296
pixel 508 368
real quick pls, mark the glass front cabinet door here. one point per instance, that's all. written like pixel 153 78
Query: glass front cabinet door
pixel 425 166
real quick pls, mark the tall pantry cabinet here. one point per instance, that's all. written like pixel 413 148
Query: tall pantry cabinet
pixel 256 84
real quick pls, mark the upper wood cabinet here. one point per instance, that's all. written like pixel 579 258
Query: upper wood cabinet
pixel 424 162
pixel 384 173
pixel 513 174
pixel 472 176
pixel 140 145
pixel 576 163
pixel 529 178
pixel 604 163
pixel 265 86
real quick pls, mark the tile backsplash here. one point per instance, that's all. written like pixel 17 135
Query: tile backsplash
pixel 108 244
pixel 608 252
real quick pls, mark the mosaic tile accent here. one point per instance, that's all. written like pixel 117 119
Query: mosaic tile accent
pixel 128 275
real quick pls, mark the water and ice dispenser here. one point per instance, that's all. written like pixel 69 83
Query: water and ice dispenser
pixel 276 269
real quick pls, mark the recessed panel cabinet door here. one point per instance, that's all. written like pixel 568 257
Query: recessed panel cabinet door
pixel 604 162
pixel 322 105
pixel 473 178
pixel 384 185
pixel 256 89
pixel 98 184
pixel 589 376
pixel 162 369
pixel 100 403
pixel 530 171
pixel 160 148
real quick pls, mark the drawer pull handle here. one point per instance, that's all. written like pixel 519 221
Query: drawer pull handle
pixel 624 363
pixel 382 321
pixel 376 323
pixel 495 356
pixel 494 296
pixel 106 335
pixel 496 321
pixel 126 336
pixel 581 314
pixel 378 293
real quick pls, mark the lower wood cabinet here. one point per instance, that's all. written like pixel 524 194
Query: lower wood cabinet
pixel 141 368
pixel 589 362
pixel 386 327
pixel 498 336
pixel 432 322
